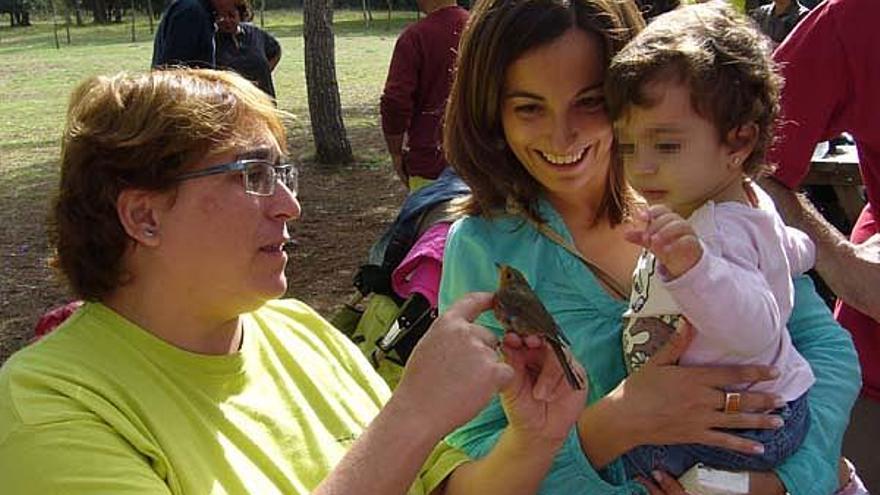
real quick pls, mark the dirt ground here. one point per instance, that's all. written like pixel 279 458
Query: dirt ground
pixel 345 209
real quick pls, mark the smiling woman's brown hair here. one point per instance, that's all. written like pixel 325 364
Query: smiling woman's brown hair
pixel 140 132
pixel 497 34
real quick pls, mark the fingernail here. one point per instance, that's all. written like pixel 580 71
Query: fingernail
pixel 758 449
pixel 779 402
pixel 774 373
pixel 777 422
pixel 657 475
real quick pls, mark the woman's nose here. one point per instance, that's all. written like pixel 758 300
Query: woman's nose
pixel 564 134
pixel 285 204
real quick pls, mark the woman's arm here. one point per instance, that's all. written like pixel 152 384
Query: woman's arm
pixel 668 404
pixel 541 408
pixel 813 469
pixel 273 50
pixel 452 373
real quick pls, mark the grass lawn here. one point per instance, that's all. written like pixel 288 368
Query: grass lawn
pixel 36 80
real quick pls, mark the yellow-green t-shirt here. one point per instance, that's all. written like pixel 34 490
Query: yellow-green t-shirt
pixel 102 406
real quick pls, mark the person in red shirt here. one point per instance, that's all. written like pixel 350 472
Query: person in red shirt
pixel 831 66
pixel 416 90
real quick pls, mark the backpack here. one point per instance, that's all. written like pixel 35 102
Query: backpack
pixel 385 325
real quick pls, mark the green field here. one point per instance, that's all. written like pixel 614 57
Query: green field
pixel 36 79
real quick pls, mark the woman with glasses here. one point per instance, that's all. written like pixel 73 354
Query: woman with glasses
pixel 182 373
pixel 244 47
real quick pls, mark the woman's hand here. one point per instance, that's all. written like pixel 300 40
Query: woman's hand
pixel 664 403
pixel 455 368
pixel 538 401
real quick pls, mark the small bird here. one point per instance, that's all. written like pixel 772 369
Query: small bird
pixel 519 310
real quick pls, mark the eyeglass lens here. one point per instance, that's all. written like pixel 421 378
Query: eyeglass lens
pixel 260 178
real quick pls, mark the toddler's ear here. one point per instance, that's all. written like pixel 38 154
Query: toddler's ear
pixel 741 142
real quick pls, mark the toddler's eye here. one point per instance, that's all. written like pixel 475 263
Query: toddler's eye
pixel 626 148
pixel 668 148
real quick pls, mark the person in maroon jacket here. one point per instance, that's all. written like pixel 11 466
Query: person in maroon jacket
pixel 832 83
pixel 414 98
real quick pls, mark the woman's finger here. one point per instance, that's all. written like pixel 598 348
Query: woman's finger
pixel 668 484
pixel 711 397
pixel 750 401
pixel 730 441
pixel 747 421
pixel 652 487
pixel 549 377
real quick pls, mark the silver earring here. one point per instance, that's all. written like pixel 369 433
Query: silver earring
pixel 149 232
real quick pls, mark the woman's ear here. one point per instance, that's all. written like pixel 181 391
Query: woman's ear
pixel 138 212
pixel 741 141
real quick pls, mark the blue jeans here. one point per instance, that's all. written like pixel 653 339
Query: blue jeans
pixel 778 445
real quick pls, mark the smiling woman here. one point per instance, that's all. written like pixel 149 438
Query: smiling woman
pixel 181 373
pixel 527 129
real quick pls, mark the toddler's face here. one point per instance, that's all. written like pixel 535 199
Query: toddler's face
pixel 672 155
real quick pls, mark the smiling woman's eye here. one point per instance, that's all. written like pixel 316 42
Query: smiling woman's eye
pixel 591 102
pixel 667 147
pixel 527 109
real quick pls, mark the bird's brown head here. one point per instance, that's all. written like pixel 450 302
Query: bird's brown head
pixel 509 277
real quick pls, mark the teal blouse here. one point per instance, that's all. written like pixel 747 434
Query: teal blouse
pixel 591 319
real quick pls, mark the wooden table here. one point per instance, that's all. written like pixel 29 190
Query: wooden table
pixel 840 170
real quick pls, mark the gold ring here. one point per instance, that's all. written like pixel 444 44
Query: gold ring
pixel 732 402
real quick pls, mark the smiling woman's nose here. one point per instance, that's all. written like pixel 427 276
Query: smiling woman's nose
pixel 564 133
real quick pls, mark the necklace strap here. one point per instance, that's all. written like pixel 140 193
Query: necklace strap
pixel 604 277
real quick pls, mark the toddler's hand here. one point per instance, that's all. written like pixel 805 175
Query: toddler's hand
pixel 669 236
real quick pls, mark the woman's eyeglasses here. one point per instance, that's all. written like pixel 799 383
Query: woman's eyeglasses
pixel 260 176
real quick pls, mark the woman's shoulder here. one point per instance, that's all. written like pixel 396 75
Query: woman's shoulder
pixel 293 323
pixel 497 228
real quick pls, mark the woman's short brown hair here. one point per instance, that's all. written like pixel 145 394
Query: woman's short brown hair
pixel 140 132
pixel 720 56
pixel 497 34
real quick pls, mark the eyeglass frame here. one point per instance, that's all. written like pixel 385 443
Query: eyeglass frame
pixel 241 166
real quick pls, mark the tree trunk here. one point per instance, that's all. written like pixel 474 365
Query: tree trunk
pixel 99 12
pixel 325 109
pixel 78 11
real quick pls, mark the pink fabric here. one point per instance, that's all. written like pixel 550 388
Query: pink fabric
pixel 54 317
pixel 832 84
pixel 739 295
pixel 420 270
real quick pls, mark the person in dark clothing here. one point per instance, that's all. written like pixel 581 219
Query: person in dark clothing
pixel 778 18
pixel 416 90
pixel 185 36
pixel 245 48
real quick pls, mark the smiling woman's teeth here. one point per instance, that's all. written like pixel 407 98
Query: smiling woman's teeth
pixel 562 159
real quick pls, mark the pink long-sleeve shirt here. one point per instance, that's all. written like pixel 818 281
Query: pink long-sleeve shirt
pixel 738 296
